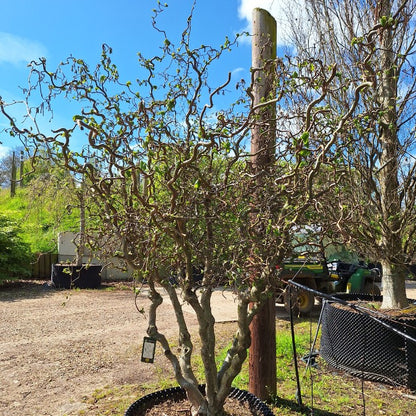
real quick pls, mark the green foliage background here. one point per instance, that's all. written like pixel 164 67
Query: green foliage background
pixel 39 222
pixel 14 252
pixel 29 225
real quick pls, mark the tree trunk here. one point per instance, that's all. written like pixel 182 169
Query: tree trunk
pixel 392 258
pixel 394 286
pixel 81 241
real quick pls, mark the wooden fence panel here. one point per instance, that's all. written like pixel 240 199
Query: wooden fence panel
pixel 41 268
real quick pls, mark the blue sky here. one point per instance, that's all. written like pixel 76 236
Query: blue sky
pixel 56 29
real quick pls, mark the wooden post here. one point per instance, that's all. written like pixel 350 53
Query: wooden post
pixel 262 355
pixel 13 177
pixel 21 168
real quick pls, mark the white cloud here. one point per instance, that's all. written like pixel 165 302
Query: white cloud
pixel 235 72
pixel 4 151
pixel 279 9
pixel 17 50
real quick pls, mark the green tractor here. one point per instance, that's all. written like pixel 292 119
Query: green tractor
pixel 329 278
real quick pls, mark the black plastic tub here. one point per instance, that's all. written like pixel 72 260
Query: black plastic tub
pixel 139 407
pixel 66 276
pixel 381 349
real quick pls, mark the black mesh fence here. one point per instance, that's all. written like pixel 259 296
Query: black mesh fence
pixel 364 342
pixel 374 347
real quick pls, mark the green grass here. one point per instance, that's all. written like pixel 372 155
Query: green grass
pixel 113 400
pixel 324 392
pixel 40 220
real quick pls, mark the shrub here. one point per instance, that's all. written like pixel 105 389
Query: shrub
pixel 15 255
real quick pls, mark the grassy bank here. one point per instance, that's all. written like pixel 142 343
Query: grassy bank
pixel 324 391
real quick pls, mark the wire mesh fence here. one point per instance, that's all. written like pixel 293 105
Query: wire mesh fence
pixel 353 337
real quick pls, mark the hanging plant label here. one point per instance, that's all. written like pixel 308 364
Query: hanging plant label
pixel 148 350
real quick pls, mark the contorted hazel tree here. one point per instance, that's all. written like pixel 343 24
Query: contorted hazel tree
pixel 374 44
pixel 173 185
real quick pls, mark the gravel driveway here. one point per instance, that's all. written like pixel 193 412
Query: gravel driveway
pixel 58 346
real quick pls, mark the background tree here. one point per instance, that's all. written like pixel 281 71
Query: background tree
pixel 15 255
pixel 44 206
pixel 373 43
pixel 6 165
pixel 5 170
pixel 59 199
pixel 173 185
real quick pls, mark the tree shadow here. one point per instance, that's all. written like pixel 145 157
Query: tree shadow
pixel 302 409
pixel 15 290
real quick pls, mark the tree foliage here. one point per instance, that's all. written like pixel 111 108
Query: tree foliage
pixel 15 256
pixel 373 209
pixel 5 170
pixel 172 185
pixel 45 205
pixel 12 160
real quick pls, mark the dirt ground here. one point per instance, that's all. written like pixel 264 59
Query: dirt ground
pixel 58 346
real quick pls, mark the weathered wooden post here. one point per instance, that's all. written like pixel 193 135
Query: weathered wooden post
pixel 262 357
pixel 21 168
pixel 13 177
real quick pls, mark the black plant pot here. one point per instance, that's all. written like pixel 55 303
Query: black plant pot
pixel 369 348
pixel 84 277
pixel 139 407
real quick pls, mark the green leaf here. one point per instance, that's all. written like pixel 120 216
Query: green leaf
pixel 170 104
pixel 305 138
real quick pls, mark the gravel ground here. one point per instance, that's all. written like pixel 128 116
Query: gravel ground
pixel 58 346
